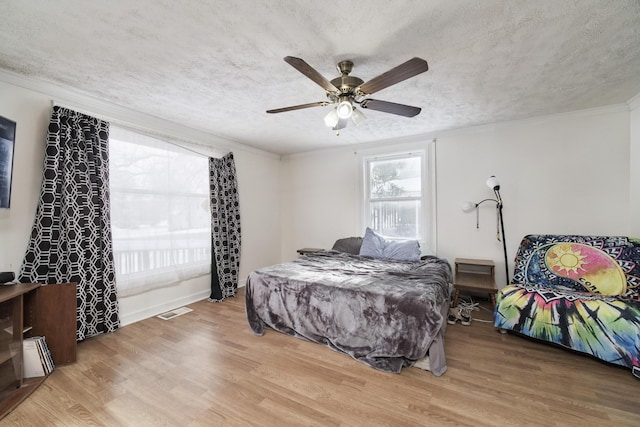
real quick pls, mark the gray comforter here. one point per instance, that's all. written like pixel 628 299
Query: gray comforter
pixel 386 314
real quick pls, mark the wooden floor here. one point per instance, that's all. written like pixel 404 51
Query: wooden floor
pixel 206 368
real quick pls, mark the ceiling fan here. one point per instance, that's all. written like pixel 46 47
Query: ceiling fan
pixel 346 91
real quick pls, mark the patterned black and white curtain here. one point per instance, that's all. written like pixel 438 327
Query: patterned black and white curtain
pixel 71 236
pixel 225 228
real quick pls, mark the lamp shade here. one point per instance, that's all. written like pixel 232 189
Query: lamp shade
pixel 344 108
pixel 357 116
pixel 493 183
pixel 468 206
pixel 332 118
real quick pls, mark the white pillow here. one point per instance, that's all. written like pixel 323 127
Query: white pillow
pixel 376 246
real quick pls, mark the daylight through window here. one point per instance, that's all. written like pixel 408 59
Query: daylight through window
pixel 394 195
pixel 159 212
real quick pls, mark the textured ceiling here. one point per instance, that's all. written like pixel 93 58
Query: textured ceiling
pixel 218 65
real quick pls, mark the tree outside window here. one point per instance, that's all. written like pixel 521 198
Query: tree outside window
pixel 395 195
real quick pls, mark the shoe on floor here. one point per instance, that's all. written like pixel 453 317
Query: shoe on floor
pixel 465 308
pixel 455 315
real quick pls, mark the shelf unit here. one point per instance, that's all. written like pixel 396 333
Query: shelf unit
pixel 27 310
pixel 475 275
pixel 16 304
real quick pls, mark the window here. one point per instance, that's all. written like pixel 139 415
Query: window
pixel 397 197
pixel 160 212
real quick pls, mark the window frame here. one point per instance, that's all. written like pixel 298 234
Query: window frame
pixel 427 223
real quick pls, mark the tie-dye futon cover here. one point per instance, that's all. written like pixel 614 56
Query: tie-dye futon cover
pixel 581 292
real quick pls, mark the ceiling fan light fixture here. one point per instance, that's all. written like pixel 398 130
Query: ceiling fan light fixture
pixel 357 116
pixel 331 119
pixel 344 108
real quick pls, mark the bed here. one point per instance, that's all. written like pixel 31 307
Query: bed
pixel 385 313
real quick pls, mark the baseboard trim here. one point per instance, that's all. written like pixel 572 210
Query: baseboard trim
pixel 148 312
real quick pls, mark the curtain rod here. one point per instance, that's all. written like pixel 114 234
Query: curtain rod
pixel 142 130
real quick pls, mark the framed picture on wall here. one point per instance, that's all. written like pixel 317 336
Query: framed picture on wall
pixel 7 142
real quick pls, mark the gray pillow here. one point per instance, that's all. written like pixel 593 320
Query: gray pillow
pixel 350 245
pixel 376 246
pixel 372 244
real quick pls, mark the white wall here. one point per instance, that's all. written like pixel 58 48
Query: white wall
pixel 258 182
pixel 564 174
pixel 320 197
pixel 30 111
pixel 559 174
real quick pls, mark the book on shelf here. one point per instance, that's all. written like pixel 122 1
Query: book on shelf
pixel 47 353
pixel 31 357
pixel 37 357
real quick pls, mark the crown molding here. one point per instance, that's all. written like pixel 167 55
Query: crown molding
pixel 634 102
pixel 126 117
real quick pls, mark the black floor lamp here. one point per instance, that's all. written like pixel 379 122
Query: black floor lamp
pixel 493 184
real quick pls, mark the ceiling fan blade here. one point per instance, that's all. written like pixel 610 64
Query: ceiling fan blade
pixel 390 107
pixel 299 107
pixel 411 68
pixel 311 73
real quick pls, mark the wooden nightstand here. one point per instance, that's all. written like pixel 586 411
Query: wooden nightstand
pixel 475 275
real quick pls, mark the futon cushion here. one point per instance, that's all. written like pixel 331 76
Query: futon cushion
pixel 350 245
